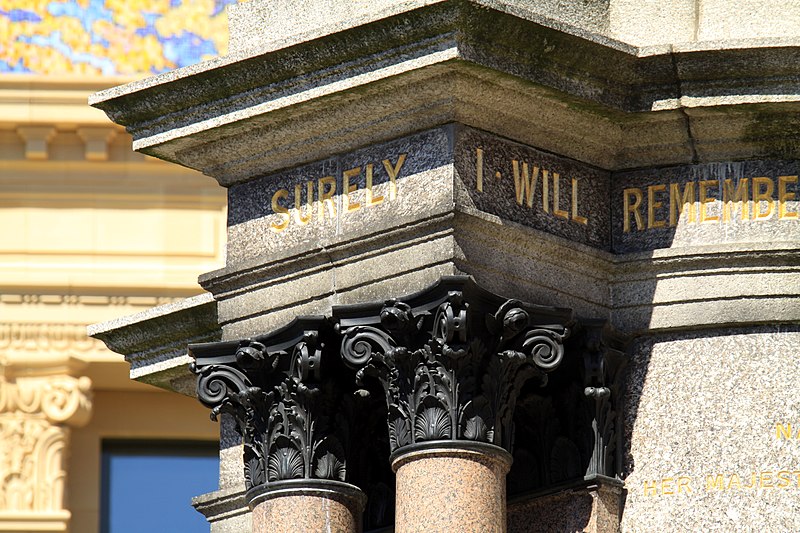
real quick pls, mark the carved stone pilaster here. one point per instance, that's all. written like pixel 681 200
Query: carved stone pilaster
pixel 604 367
pixel 35 415
pixel 452 359
pixel 286 398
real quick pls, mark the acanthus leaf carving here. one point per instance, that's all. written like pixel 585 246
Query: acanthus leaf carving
pixel 440 378
pixel 282 401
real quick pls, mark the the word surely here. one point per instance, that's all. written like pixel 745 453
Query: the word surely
pixel 527 178
pixel 321 196
pixel 708 201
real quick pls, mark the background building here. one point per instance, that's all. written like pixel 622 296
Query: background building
pixel 90 231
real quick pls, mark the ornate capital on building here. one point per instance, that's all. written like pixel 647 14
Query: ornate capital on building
pixel 286 398
pixel 35 413
pixel 452 359
pixel 604 360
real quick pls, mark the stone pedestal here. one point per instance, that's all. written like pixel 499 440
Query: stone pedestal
pixel 301 505
pixel 451 486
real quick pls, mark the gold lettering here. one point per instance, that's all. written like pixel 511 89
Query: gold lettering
pixel 784 196
pixel 752 484
pixel 479 167
pixel 740 195
pixel 394 172
pixel 545 191
pixel 556 194
pixel 575 216
pixel 349 189
pixel 667 485
pixel 524 184
pixel 765 195
pixel 678 202
pixel 734 478
pixel 370 199
pixel 765 480
pixel 715 483
pixel 299 217
pixel 705 200
pixel 650 488
pixel 652 205
pixel 326 197
pixel 282 212
pixel 783 432
pixel 784 479
pixel 628 208
pixel 683 484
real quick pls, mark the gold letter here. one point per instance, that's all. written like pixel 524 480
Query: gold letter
pixel 739 195
pixel 765 480
pixel 326 198
pixel 666 485
pixel 281 211
pixel 734 477
pixel 766 196
pixel 713 483
pixel 346 175
pixel 370 200
pixel 650 488
pixel 479 168
pixel 575 216
pixel 299 217
pixel 783 432
pixel 545 191
pixel 784 196
pixel 652 205
pixel 393 171
pixel 556 211
pixel 704 216
pixel 683 483
pixel 628 208
pixel 524 185
pixel 678 201
pixel 784 479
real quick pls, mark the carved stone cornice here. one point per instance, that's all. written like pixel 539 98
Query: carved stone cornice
pixel 452 359
pixel 286 398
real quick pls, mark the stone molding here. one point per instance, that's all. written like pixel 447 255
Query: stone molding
pixel 627 107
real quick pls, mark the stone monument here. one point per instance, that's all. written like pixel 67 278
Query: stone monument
pixel 522 265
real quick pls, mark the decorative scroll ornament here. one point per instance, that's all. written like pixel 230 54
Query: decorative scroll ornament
pixel 451 365
pixel 283 404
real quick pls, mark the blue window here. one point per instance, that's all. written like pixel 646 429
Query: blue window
pixel 148 485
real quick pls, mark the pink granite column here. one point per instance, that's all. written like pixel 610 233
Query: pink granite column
pixel 306 505
pixel 445 486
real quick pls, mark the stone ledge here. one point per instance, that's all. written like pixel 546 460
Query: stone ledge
pixel 154 341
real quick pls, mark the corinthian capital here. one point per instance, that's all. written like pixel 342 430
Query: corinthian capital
pixel 452 359
pixel 285 398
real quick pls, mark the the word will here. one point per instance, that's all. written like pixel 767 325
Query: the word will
pixel 321 195
pixel 527 178
pixel 707 201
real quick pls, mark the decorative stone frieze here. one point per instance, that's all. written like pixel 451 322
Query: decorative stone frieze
pixel 35 414
pixel 452 359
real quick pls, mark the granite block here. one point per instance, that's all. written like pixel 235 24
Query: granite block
pixel 712 421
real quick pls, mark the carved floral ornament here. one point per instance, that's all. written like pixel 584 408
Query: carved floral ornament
pixel 451 361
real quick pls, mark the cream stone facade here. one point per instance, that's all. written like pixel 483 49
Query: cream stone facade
pixel 90 231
